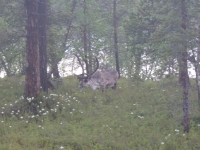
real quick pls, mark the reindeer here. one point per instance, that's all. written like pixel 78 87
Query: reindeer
pixel 98 78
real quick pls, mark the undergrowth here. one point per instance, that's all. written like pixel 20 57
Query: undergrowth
pixel 142 116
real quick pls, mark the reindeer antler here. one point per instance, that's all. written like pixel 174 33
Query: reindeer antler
pixel 79 60
pixel 95 68
pixel 81 76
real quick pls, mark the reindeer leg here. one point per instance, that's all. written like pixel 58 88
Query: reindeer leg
pixel 115 86
pixel 103 88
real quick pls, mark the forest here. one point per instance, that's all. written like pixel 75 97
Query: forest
pixel 145 55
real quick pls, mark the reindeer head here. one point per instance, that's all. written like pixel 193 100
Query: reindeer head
pixel 84 78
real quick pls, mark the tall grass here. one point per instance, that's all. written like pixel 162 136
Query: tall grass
pixel 142 116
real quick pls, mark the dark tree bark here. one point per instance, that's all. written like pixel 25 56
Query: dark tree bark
pixel 198 68
pixel 138 63
pixel 68 27
pixel 55 71
pixel 3 63
pixel 42 12
pixel 91 64
pixel 85 39
pixel 32 84
pixel 196 63
pixel 115 36
pixel 184 79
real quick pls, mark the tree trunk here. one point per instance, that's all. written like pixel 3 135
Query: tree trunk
pixel 138 62
pixel 3 63
pixel 32 84
pixel 184 79
pixel 55 71
pixel 42 11
pixel 85 39
pixel 69 23
pixel 91 63
pixel 198 68
pixel 115 36
pixel 196 62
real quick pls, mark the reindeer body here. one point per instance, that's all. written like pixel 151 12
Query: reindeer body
pixel 103 79
pixel 99 78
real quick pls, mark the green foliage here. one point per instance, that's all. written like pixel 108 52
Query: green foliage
pixel 11 33
pixel 135 116
pixel 149 33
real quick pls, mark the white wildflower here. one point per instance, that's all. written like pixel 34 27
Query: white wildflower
pixel 176 130
pixel 53 95
pixel 141 117
pixel 29 99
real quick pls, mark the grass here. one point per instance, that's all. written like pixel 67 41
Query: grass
pixel 137 116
